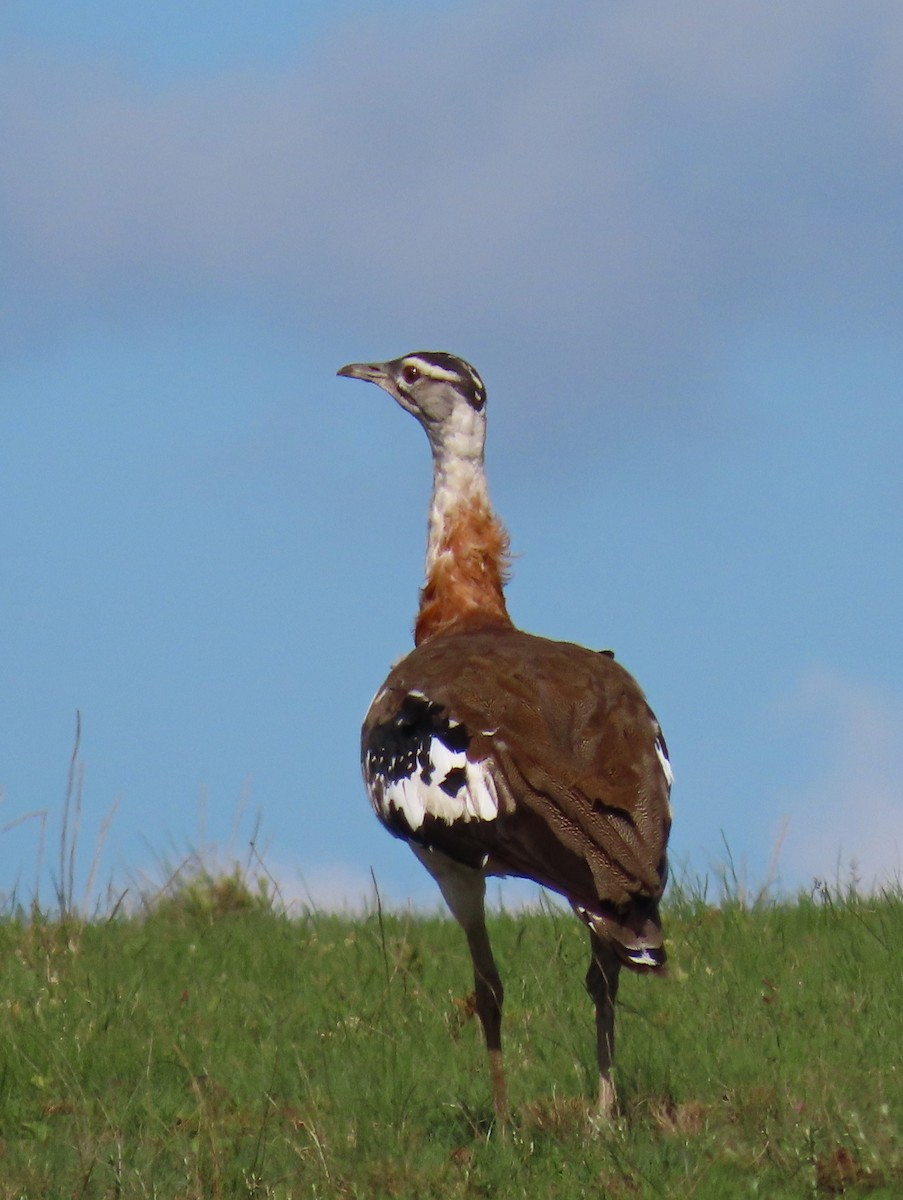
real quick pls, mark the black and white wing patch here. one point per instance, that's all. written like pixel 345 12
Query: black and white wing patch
pixel 417 770
pixel 661 751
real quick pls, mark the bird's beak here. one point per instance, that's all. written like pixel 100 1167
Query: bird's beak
pixel 371 372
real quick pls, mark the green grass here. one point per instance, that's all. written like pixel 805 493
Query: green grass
pixel 217 1048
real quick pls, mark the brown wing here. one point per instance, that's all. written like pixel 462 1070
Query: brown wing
pixel 529 757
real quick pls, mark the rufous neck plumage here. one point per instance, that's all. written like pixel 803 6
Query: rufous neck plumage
pixel 467 548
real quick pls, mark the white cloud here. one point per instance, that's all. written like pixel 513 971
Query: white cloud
pixel 847 820
pixel 613 182
pixel 335 888
pixel 341 887
pixel 332 887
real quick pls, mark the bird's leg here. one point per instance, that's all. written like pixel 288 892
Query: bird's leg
pixel 489 996
pixel 464 890
pixel 602 985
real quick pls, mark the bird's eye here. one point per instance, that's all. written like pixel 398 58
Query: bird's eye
pixel 410 373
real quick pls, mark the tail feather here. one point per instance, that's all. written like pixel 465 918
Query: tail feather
pixel 636 937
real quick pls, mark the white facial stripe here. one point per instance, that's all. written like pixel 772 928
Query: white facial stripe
pixel 477 381
pixel 476 799
pixel 430 369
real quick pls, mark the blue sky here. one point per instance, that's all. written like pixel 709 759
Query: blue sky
pixel 671 246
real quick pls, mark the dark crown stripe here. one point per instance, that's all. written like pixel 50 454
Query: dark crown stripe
pixel 468 380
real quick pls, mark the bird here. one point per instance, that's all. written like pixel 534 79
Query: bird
pixel 495 752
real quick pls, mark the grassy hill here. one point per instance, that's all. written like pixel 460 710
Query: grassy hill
pixel 217 1048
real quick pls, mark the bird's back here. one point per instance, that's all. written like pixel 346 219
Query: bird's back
pixel 524 756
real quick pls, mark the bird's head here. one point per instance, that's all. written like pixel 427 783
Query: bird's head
pixel 443 392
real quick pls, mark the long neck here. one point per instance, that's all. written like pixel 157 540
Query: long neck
pixel 467 553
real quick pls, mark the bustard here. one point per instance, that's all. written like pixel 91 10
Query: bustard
pixel 494 752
